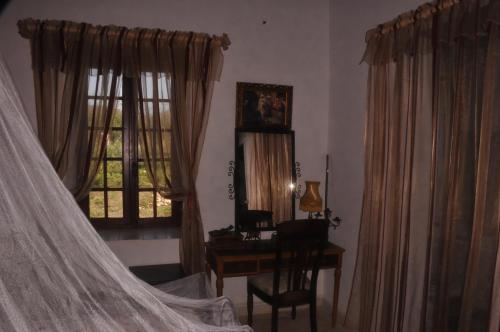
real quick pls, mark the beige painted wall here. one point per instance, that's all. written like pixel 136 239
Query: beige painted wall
pixel 292 48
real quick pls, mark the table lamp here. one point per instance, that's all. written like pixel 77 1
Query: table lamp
pixel 311 201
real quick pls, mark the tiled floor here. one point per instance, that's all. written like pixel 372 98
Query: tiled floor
pixel 262 322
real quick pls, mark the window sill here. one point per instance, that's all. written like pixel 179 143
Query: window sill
pixel 149 232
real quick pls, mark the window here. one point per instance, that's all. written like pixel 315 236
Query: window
pixel 122 193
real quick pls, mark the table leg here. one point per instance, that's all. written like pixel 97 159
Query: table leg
pixel 219 273
pixel 208 270
pixel 219 284
pixel 336 286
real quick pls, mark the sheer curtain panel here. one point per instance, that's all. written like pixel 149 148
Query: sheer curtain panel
pixel 179 67
pixel 73 112
pixel 429 234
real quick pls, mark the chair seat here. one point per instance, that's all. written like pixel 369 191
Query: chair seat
pixel 264 282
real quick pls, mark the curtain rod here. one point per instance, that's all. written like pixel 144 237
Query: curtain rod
pixel 410 17
pixel 28 26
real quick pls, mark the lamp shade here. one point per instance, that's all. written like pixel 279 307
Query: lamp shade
pixel 311 201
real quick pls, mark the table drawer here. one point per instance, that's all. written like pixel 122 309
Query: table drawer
pixel 240 267
pixel 329 261
pixel 267 265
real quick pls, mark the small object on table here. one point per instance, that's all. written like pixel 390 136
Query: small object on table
pixel 252 235
pixel 311 201
pixel 224 237
pixel 221 232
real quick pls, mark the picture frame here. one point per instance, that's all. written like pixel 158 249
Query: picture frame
pixel 263 106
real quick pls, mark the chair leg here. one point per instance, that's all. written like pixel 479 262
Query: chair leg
pixel 274 319
pixel 249 306
pixel 312 315
pixel 294 311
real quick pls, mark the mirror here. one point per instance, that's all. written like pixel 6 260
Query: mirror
pixel 264 179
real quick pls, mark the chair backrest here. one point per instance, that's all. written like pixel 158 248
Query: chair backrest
pixel 300 246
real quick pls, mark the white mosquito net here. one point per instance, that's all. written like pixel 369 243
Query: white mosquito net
pixel 56 274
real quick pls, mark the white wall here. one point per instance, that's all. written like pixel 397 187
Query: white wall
pixel 292 48
pixel 151 252
pixel 349 20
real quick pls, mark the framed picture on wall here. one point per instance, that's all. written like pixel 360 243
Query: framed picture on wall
pixel 263 106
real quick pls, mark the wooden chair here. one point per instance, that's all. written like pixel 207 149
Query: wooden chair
pixel 299 248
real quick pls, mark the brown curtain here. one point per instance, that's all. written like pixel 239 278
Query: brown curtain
pixel 429 234
pixel 172 119
pixel 75 69
pixel 197 62
pixel 171 134
pixel 267 169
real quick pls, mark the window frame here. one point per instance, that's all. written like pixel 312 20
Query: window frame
pixel 130 173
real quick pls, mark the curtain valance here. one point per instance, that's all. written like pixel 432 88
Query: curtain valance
pixel 139 49
pixel 445 22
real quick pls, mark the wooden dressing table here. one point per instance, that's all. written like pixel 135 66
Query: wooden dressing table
pixel 252 257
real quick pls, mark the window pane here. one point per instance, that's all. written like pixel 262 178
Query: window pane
pixel 163 88
pixel 115 174
pixel 96 204
pixel 99 179
pixel 139 150
pixel 163 167
pixel 165 115
pixel 163 206
pixel 146 204
pixel 163 82
pixel 117 120
pixel 166 144
pixel 146 109
pixel 94 109
pixel 119 89
pixel 147 85
pixel 148 113
pixel 114 148
pixel 100 81
pixel 96 113
pixel 115 204
pixel 92 81
pixel 144 181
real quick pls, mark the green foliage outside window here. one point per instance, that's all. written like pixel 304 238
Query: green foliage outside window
pixel 115 180
pixel 114 168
